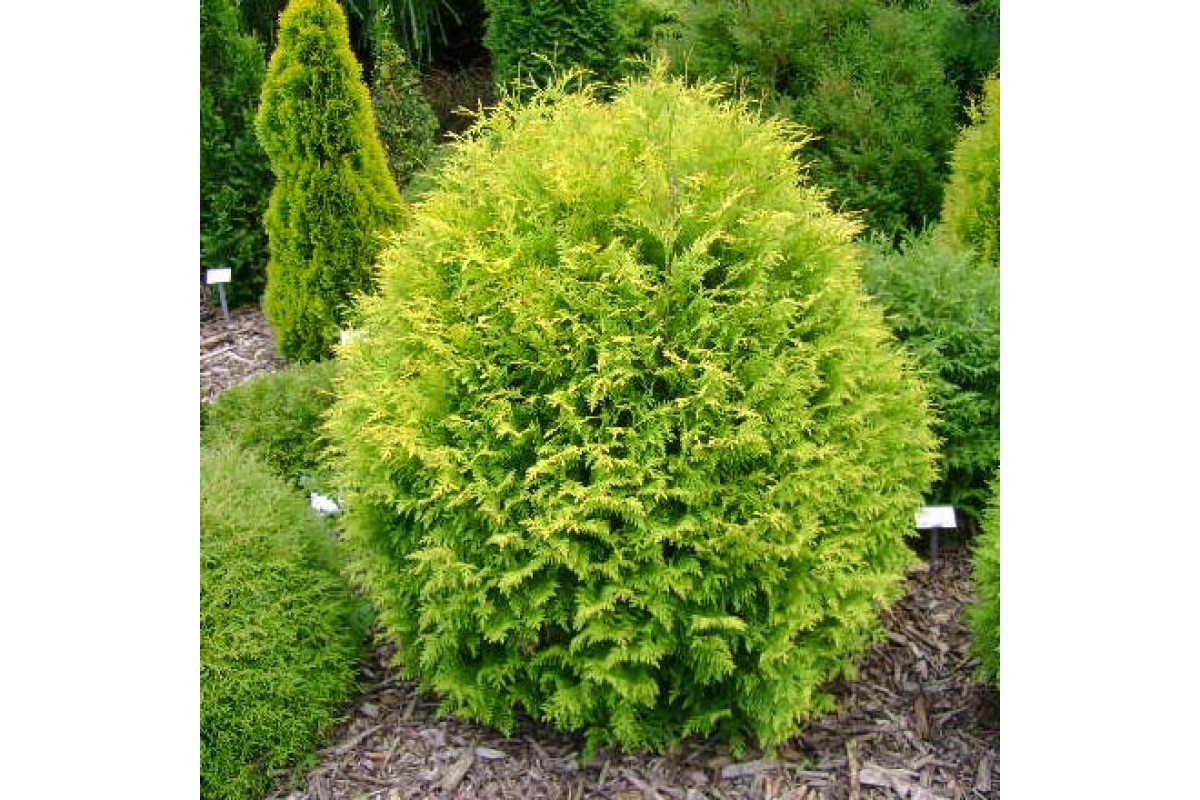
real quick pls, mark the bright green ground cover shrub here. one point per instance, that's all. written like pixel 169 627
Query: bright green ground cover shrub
pixel 235 175
pixel 280 638
pixel 333 193
pixel 407 124
pixel 985 614
pixel 971 214
pixel 277 417
pixel 626 446
pixel 866 77
pixel 532 40
pixel 945 307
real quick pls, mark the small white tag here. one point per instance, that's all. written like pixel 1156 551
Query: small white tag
pixel 936 517
pixel 352 336
pixel 223 275
pixel 322 503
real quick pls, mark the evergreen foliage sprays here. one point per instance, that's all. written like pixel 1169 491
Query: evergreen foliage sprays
pixel 624 444
pixel 407 124
pixel 532 39
pixel 985 614
pixel 333 194
pixel 944 305
pixel 235 175
pixel 971 214
pixel 867 77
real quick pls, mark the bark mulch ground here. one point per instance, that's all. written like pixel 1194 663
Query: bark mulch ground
pixel 913 724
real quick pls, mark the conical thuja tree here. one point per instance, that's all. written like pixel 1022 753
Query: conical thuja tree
pixel 971 212
pixel 333 194
pixel 626 445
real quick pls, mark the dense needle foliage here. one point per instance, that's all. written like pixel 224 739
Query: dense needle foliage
pixel 625 445
pixel 867 77
pixel 532 40
pixel 235 176
pixel 985 615
pixel 279 635
pixel 971 215
pixel 277 417
pixel 945 306
pixel 333 193
pixel 407 124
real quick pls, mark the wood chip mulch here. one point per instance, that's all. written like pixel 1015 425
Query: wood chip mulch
pixel 913 724
pixel 231 354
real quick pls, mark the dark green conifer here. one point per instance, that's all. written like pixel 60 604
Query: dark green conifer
pixel 532 39
pixel 235 175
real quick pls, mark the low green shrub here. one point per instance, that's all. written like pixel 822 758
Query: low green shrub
pixel 280 635
pixel 971 214
pixel 985 614
pixel 278 418
pixel 626 444
pixel 945 307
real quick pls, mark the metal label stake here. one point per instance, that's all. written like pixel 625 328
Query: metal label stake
pixel 220 277
pixel 936 519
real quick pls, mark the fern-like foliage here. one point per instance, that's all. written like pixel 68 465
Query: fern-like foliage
pixel 626 445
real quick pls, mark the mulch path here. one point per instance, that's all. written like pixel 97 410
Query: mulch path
pixel 913 724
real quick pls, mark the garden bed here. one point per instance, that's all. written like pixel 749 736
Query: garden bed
pixel 913 724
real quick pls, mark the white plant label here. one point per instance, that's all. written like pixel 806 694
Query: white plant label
pixel 936 517
pixel 212 276
pixel 322 503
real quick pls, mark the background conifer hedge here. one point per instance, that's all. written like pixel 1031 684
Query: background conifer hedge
pixel 333 194
pixel 235 175
pixel 944 305
pixel 626 446
pixel 530 39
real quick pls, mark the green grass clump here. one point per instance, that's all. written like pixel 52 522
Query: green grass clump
pixel 945 307
pixel 278 418
pixel 626 445
pixel 280 636
pixel 985 614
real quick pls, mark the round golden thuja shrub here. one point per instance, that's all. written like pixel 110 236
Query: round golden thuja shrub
pixel 623 443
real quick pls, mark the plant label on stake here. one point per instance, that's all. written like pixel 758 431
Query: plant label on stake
pixel 936 519
pixel 220 277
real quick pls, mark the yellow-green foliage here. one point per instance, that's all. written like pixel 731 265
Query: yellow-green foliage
pixel 279 638
pixel 971 214
pixel 985 615
pixel 625 445
pixel 333 192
